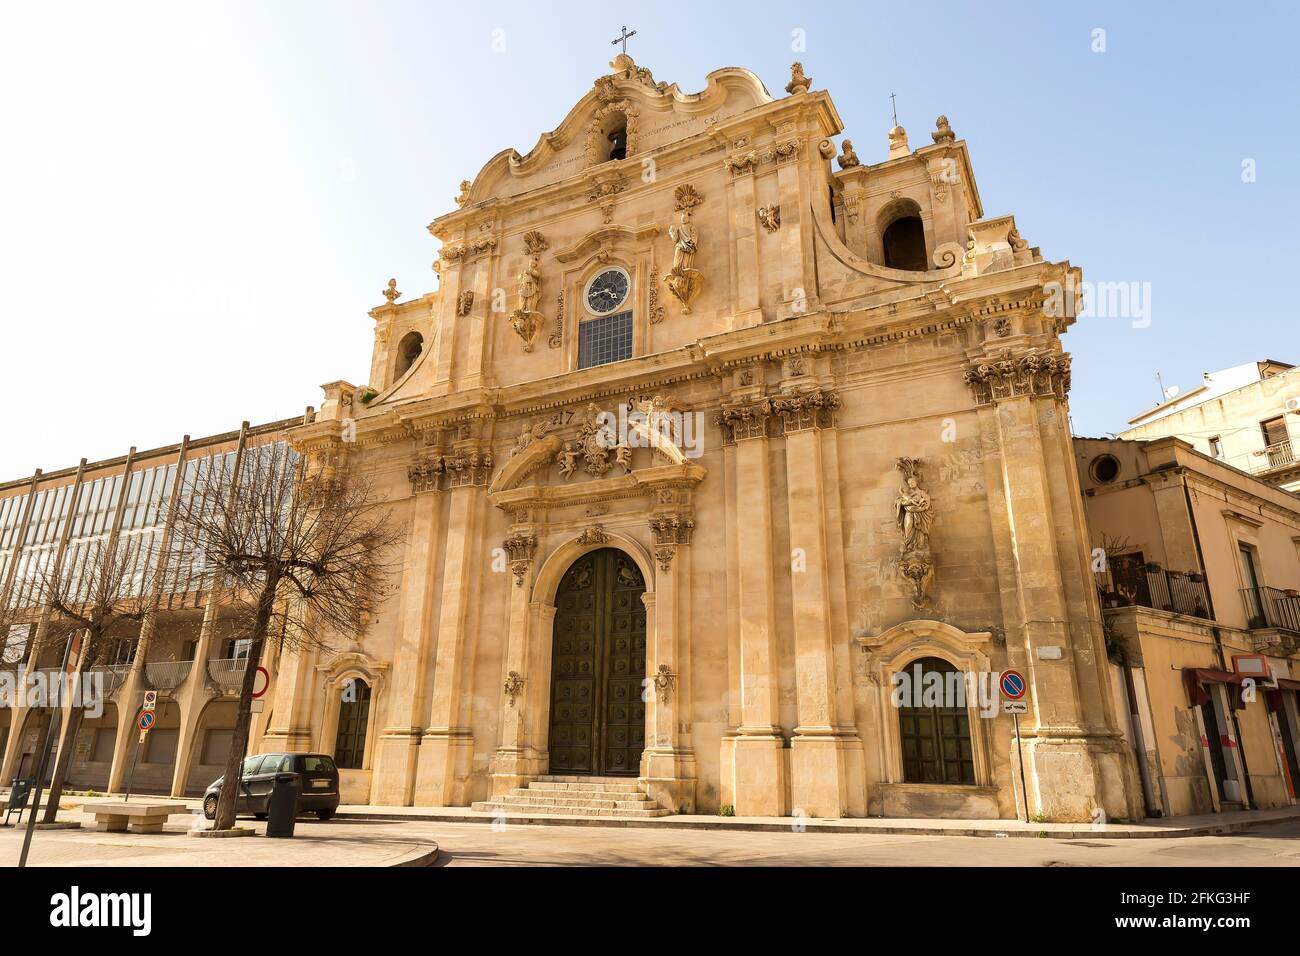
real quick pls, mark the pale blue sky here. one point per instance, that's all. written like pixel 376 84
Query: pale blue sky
pixel 200 202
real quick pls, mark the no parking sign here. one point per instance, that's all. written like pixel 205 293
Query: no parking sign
pixel 145 722
pixel 1012 684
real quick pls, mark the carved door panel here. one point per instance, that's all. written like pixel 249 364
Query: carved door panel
pixel 597 667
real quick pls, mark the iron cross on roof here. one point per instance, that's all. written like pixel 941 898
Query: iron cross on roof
pixel 623 39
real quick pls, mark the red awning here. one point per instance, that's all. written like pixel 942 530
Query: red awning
pixel 1194 677
pixel 1286 683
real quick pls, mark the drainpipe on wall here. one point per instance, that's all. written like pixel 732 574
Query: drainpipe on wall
pixel 1139 749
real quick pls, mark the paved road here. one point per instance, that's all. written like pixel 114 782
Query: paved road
pixel 369 843
pixel 477 844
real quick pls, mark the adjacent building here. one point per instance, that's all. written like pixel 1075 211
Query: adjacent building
pixel 1198 567
pixel 1247 416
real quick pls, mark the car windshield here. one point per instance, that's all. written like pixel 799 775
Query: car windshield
pixel 313 763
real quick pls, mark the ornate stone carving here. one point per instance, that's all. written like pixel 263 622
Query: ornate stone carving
pixel 914 513
pixel 557 334
pixel 465 303
pixel 391 293
pixel 594 444
pixel 526 320
pixel 942 131
pixel 466 250
pixel 799 81
pixel 521 548
pixel 684 280
pixel 745 420
pixel 466 468
pixel 807 409
pixel 1033 372
pixel 568 460
pixel 1002 327
pixel 848 158
pixel 669 530
pixel 425 474
pixel 657 311
pixel 528 434
pixel 593 535
pixel 743 163
pixel 787 149
pixel 463 198
pixel 535 243
pixel 623 458
pixel 665 682
pixel 770 217
pixel 514 684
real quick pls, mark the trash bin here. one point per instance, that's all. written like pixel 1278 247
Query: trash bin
pixel 282 809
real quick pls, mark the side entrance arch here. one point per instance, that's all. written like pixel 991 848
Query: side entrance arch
pixel 598 663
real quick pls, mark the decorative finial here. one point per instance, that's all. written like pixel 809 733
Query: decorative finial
pixel 799 83
pixel 848 157
pixel 463 198
pixel 623 39
pixel 391 293
pixel 942 131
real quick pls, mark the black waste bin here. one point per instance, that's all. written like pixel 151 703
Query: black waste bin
pixel 282 810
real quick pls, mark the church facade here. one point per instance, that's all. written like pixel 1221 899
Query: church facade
pixel 709 431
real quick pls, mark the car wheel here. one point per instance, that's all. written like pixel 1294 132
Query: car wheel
pixel 210 806
pixel 324 815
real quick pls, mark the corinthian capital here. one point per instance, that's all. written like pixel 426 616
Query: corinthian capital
pixel 1008 375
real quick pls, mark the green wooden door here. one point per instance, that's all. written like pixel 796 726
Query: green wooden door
pixel 598 667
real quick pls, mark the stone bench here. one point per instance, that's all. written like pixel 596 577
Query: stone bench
pixel 115 816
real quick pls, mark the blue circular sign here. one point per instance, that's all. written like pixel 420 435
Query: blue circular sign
pixel 146 720
pixel 1013 684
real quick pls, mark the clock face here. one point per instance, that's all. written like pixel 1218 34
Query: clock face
pixel 607 291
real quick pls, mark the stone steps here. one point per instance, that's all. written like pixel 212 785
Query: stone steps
pixel 575 796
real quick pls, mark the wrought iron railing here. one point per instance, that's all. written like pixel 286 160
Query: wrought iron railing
pixel 1150 586
pixel 115 676
pixel 167 675
pixel 1272 607
pixel 228 673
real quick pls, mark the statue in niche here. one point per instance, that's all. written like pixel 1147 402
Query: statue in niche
pixel 684 280
pixel 526 320
pixel 914 513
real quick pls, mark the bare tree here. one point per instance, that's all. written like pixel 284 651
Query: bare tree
pixel 299 555
pixel 96 590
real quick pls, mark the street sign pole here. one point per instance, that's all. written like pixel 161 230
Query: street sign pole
pixel 145 723
pixel 1020 755
pixel 130 777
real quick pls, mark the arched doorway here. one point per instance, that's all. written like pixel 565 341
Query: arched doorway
pixel 598 657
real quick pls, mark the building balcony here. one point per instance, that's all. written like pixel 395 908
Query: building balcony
pixel 1272 608
pixel 115 676
pixel 1272 457
pixel 228 673
pixel 167 675
pixel 1177 592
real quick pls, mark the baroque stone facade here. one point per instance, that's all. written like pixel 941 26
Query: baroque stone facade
pixel 836 444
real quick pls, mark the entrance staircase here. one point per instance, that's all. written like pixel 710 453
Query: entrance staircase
pixel 575 796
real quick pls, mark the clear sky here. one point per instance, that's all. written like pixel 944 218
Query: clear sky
pixel 199 203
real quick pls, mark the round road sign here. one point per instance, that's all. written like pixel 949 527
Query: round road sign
pixel 146 720
pixel 1012 684
pixel 266 682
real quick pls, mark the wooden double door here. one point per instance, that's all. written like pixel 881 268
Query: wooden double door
pixel 598 667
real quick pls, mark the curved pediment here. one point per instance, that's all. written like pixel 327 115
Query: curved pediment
pixel 655 114
pixel 535 456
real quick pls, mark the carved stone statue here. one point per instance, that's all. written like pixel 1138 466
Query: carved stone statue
pixel 914 513
pixel 683 279
pixel 799 82
pixel 623 457
pixel 568 460
pixel 526 320
pixel 942 131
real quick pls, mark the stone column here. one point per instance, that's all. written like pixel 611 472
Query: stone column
pixel 744 235
pixel 819 781
pixel 398 744
pixel 668 762
pixel 760 784
pixel 515 762
pixel 446 749
pixel 1075 761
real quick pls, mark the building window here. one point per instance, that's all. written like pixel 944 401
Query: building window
pixel 354 716
pixel 606 334
pixel 408 350
pixel 935 737
pixel 1216 447
pixel 1104 469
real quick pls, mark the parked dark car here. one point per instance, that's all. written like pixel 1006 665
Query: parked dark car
pixel 320 784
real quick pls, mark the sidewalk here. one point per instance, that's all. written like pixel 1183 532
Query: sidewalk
pixel 1191 826
pixel 1204 825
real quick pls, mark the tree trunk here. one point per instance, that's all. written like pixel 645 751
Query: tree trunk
pixel 61 762
pixel 232 781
